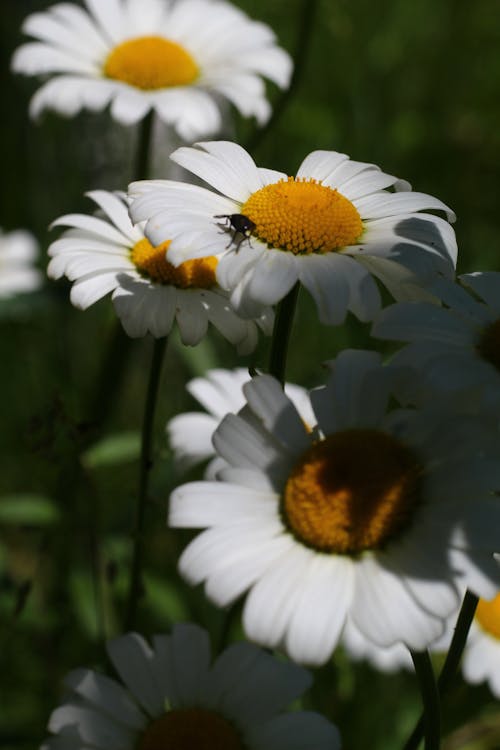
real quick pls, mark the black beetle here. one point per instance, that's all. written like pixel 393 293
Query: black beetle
pixel 240 224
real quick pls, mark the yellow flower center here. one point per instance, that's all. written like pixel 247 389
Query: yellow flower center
pixel 190 729
pixel 152 262
pixel 488 346
pixel 351 492
pixel 303 216
pixel 151 62
pixel 488 616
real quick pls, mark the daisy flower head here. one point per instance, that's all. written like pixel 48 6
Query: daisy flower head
pixel 172 695
pixel 220 392
pixel 481 660
pixel 333 227
pixel 109 254
pixel 176 58
pixel 455 346
pixel 18 253
pixel 374 515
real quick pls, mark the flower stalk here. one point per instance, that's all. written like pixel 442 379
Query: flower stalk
pixel 281 334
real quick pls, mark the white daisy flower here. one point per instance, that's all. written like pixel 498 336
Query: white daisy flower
pixel 481 660
pixel 333 227
pixel 102 255
pixel 456 346
pixel 172 696
pixel 374 516
pixel 18 253
pixel 220 392
pixel 176 58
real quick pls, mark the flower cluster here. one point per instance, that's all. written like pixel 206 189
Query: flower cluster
pixel 355 513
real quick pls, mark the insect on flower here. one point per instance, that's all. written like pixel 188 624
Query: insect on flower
pixel 240 225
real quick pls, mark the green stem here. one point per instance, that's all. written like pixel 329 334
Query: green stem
pixel 281 334
pixel 430 698
pixel 451 662
pixel 146 463
pixel 109 382
pixel 305 26
pixel 143 151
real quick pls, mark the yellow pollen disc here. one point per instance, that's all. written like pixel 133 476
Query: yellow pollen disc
pixel 488 616
pixel 151 62
pixel 152 262
pixel 303 216
pixel 190 729
pixel 488 346
pixel 351 492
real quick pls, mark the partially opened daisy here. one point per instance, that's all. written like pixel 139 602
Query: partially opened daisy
pixel 456 346
pixel 176 58
pixel 102 255
pixel 220 392
pixel 171 695
pixel 375 515
pixel 333 227
pixel 18 253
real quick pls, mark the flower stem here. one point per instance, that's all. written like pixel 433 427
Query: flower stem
pixel 305 25
pixel 430 697
pixel 143 151
pixel 451 662
pixel 281 334
pixel 146 463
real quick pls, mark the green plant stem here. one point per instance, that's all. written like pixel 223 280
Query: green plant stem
pixel 142 161
pixel 451 662
pixel 430 698
pixel 146 463
pixel 305 25
pixel 281 334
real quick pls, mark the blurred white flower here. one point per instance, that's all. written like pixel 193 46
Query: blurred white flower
pixel 177 58
pixel 18 253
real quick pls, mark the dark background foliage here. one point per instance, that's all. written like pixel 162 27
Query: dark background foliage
pixel 413 87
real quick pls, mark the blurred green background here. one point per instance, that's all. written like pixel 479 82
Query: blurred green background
pixel 411 86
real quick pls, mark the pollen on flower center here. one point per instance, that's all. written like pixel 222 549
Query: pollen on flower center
pixel 488 346
pixel 303 216
pixel 190 729
pixel 488 616
pixel 152 262
pixel 351 492
pixel 151 62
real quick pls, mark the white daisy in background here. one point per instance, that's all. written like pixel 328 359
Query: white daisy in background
pixel 220 392
pixel 333 227
pixel 374 516
pixel 102 255
pixel 481 657
pixel 456 346
pixel 18 253
pixel 176 58
pixel 481 660
pixel 171 695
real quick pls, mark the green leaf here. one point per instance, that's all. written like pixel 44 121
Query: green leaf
pixel 119 448
pixel 28 510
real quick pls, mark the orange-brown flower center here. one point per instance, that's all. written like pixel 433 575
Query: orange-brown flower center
pixel 488 345
pixel 190 729
pixel 303 216
pixel 152 262
pixel 151 62
pixel 353 491
pixel 488 616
